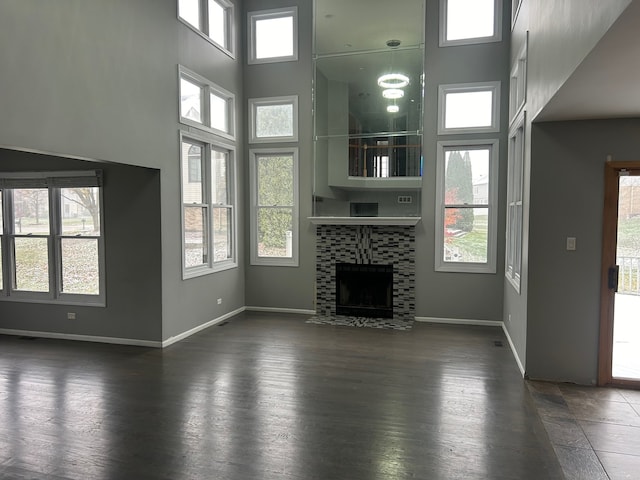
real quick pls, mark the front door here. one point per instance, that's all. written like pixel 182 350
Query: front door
pixel 619 356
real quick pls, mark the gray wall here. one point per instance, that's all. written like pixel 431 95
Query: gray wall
pixel 458 295
pixel 567 197
pixel 561 34
pixel 286 287
pixel 132 249
pixel 99 80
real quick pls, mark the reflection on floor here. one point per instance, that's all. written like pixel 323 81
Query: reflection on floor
pixel 595 432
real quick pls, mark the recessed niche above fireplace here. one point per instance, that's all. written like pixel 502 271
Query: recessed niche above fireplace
pixel 364 290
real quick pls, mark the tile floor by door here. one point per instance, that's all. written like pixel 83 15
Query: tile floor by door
pixel 595 432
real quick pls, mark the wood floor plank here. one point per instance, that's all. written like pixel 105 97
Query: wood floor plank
pixel 269 396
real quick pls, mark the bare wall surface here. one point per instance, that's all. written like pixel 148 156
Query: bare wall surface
pixel 458 295
pixel 286 287
pixel 562 33
pixel 132 252
pixel 99 80
pixel 567 200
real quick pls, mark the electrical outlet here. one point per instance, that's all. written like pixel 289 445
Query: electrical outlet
pixel 71 315
pixel 405 199
pixel 571 243
pixel 219 301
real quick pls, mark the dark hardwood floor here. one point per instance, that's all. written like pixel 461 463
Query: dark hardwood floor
pixel 267 396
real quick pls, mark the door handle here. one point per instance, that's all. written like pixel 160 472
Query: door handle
pixel 613 278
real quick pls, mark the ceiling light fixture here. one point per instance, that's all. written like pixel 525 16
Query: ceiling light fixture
pixel 393 108
pixel 393 93
pixel 393 80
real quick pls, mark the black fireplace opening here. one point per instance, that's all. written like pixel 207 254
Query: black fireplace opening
pixel 364 290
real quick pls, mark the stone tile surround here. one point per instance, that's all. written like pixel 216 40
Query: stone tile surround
pixel 366 244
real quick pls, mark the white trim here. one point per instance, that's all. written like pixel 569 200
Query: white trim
pixel 513 350
pixel 489 266
pixel 460 321
pixel 207 87
pixel 292 261
pixel 252 17
pixel 497 28
pixel 280 310
pixel 254 103
pixel 181 336
pixel 409 221
pixel 453 88
pixel 82 338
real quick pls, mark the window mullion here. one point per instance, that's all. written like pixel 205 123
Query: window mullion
pixel 55 247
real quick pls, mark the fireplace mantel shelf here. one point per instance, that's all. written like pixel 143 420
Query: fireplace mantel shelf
pixel 409 221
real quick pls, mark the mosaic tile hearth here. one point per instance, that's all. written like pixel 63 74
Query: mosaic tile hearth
pixel 366 244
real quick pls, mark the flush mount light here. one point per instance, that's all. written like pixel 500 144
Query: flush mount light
pixel 393 108
pixel 393 80
pixel 393 93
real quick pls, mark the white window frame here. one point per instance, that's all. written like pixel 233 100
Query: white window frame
pixel 54 182
pixel 209 142
pixel 207 88
pixel 254 103
pixel 497 27
pixel 292 261
pixel 446 89
pixel 253 17
pixel 467 267
pixel 203 28
pixel 515 194
pixel 518 83
pixel 515 10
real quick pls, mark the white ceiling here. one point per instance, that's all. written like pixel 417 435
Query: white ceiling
pixel 607 83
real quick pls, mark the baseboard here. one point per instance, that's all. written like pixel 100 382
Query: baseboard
pixel 460 321
pixel 171 340
pixel 280 310
pixel 513 350
pixel 82 338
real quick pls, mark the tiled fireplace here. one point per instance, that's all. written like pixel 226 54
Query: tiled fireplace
pixel 366 244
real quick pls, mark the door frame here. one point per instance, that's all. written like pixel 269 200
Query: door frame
pixel 607 296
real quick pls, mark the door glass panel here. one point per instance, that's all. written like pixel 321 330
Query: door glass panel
pixel 626 331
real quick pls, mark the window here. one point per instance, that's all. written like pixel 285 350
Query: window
pixel 213 19
pixel 469 108
pixel 273 119
pixel 205 105
pixel 52 246
pixel 515 181
pixel 208 206
pixel 274 214
pixel 466 173
pixel 518 84
pixel 273 35
pixel 465 22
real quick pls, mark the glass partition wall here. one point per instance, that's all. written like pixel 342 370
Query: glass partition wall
pixel 368 107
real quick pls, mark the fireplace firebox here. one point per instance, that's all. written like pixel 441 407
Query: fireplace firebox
pixel 364 290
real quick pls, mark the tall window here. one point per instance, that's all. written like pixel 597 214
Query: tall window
pixel 213 19
pixel 466 175
pixel 52 241
pixel 205 105
pixel 273 35
pixel 208 206
pixel 515 181
pixel 470 21
pixel 274 215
